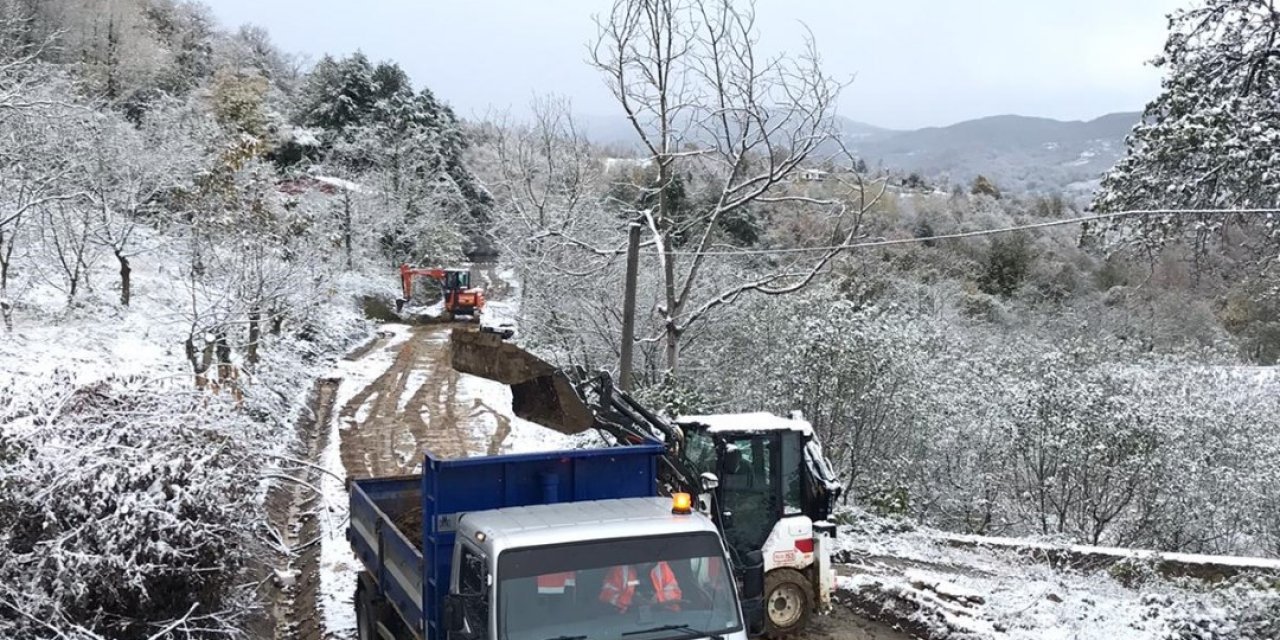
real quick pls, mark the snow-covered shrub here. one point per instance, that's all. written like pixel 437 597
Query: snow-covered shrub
pixel 1239 611
pixel 125 506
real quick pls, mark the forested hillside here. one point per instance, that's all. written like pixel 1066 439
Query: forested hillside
pixel 188 216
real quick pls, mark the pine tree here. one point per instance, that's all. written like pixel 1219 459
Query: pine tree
pixel 983 186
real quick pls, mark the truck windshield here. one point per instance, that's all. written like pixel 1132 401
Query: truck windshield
pixel 652 588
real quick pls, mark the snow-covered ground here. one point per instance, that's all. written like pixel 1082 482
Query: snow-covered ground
pixel 94 342
pixel 967 587
pixel 338 565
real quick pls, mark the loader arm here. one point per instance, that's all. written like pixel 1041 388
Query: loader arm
pixel 571 402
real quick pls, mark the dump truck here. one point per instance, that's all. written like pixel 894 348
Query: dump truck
pixel 565 545
pixel 763 479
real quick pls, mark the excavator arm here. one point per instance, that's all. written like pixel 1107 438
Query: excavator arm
pixel 571 402
pixel 407 274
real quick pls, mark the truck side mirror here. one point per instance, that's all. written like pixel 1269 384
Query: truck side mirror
pixel 709 481
pixel 455 617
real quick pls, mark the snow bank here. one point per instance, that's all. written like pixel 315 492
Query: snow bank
pixel 923 579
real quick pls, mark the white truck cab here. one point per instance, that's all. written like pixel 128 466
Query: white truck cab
pixel 622 569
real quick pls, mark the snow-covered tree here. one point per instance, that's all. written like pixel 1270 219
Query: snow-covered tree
pixel 1209 140
pixel 131 174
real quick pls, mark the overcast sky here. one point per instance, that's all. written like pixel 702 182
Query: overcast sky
pixel 916 62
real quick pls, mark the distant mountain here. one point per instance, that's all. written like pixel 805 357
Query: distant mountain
pixel 1019 153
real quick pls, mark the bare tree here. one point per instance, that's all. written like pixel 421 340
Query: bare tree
pixel 35 166
pixel 127 177
pixel 700 95
pixel 66 227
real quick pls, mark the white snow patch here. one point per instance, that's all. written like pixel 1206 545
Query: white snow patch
pixel 339 183
pixel 759 421
pixel 339 566
pixel 482 398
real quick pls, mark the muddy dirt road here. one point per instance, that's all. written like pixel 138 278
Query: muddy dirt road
pixel 409 409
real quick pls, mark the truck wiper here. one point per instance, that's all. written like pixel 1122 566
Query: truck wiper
pixel 693 633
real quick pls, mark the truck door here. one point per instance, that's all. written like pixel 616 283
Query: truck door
pixel 473 587
pixel 749 489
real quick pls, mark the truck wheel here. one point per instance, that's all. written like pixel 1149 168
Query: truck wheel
pixel 788 602
pixel 366 613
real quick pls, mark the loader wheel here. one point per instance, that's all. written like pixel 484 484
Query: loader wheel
pixel 788 603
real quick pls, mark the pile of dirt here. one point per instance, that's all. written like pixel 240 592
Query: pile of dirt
pixel 410 524
pixel 379 307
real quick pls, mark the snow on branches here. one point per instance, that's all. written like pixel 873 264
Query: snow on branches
pixel 126 508
pixel 1211 140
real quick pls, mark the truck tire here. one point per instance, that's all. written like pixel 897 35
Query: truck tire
pixel 788 603
pixel 367 612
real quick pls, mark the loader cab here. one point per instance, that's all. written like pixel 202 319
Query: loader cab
pixel 774 495
pixel 764 470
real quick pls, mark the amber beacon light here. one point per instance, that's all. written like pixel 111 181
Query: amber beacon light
pixel 681 503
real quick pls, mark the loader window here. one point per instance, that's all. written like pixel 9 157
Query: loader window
pixel 791 466
pixel 701 451
pixel 749 490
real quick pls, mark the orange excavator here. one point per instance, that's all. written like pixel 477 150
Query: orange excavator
pixel 460 299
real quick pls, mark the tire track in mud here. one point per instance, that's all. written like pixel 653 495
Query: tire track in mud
pixel 385 435
pixel 296 604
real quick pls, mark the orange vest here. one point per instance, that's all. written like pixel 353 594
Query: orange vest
pixel 556 582
pixel 620 587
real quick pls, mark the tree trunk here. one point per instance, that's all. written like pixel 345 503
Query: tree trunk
pixel 669 279
pixel 277 322
pixel 126 281
pixel 4 264
pixel 346 229
pixel 6 307
pixel 255 334
pixel 189 347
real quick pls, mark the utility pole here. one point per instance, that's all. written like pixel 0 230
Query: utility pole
pixel 629 306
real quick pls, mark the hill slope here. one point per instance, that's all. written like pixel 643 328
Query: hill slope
pixel 1020 153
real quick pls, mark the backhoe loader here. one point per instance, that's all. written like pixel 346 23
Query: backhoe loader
pixel 763 479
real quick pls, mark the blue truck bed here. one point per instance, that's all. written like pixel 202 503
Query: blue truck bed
pixel 412 572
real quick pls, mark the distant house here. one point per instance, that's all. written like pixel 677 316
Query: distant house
pixel 813 175
pixel 617 165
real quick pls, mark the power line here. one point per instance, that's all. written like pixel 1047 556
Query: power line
pixel 965 234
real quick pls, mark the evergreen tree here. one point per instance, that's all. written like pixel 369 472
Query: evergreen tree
pixel 1209 140
pixel 983 186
